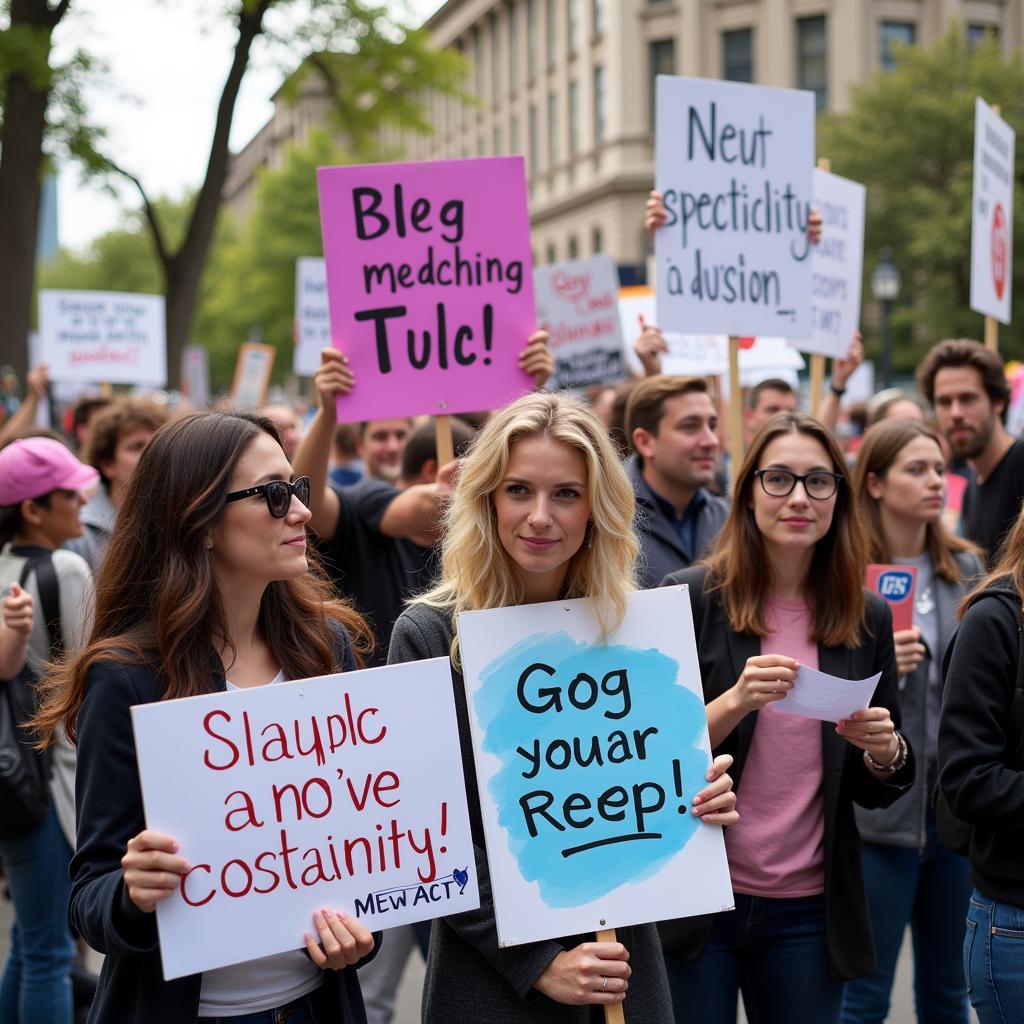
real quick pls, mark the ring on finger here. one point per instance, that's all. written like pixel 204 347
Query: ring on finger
pixel 604 982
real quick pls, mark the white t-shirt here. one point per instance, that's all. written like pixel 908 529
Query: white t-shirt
pixel 262 984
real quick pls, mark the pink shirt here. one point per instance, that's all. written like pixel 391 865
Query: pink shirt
pixel 778 847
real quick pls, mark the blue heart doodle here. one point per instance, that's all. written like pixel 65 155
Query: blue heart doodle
pixel 461 878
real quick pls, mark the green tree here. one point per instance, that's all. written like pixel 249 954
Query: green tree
pixel 909 137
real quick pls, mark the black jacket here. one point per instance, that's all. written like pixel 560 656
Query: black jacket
pixel 109 809
pixel 845 779
pixel 974 743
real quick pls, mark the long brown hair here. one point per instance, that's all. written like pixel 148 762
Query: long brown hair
pixel 1008 569
pixel 738 563
pixel 157 601
pixel 882 445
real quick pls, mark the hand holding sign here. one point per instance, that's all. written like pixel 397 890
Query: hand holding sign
pixel 909 649
pixel 341 941
pixel 593 972
pixel 333 377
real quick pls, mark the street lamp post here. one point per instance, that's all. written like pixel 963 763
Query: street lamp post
pixel 885 286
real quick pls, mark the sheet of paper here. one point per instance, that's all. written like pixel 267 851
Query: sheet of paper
pixel 827 698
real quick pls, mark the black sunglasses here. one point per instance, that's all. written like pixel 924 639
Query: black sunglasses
pixel 278 494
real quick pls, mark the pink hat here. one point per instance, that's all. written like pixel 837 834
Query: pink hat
pixel 34 466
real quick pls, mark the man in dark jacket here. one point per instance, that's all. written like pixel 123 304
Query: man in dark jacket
pixel 671 423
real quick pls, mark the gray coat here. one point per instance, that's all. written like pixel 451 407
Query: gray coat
pixel 661 552
pixel 470 979
pixel 904 823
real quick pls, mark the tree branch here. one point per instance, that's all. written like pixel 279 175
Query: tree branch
pixel 150 213
pixel 54 14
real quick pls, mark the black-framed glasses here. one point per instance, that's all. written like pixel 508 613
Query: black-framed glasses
pixel 779 483
pixel 278 495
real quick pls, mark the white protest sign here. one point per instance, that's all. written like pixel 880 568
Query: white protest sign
pixel 103 337
pixel 344 791
pixel 253 368
pixel 578 304
pixel 195 374
pixel 838 263
pixel 992 214
pixel 734 168
pixel 701 355
pixel 588 756
pixel 312 318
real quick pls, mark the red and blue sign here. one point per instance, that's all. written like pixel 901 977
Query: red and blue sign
pixel 896 584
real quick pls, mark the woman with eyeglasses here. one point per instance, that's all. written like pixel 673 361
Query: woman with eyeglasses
pixel 910 875
pixel 782 590
pixel 207 587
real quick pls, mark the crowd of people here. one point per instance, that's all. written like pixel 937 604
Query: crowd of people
pixel 151 553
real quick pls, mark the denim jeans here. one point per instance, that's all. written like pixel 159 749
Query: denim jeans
pixel 312 1009
pixel 929 891
pixel 36 982
pixel 994 960
pixel 771 950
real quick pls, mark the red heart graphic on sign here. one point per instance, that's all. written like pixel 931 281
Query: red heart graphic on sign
pixel 1000 250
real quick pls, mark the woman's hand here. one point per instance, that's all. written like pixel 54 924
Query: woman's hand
pixel 765 678
pixel 152 870
pixel 16 611
pixel 650 347
pixel 655 214
pixel 536 359
pixel 872 730
pixel 716 804
pixel 332 378
pixel 577 976
pixel 343 941
pixel 909 649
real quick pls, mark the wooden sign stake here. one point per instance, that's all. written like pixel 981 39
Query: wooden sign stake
pixel 444 441
pixel 612 1011
pixel 735 411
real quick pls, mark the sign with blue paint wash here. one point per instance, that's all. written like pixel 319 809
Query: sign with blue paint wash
pixel 588 757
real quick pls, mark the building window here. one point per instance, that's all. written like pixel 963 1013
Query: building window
pixel 575 18
pixel 497 141
pixel 597 242
pixel 574 247
pixel 478 61
pixel 599 105
pixel 574 118
pixel 552 129
pixel 902 33
pixel 812 58
pixel 513 135
pixel 533 140
pixel 532 37
pixel 977 34
pixel 552 32
pixel 661 61
pixel 552 255
pixel 600 9
pixel 513 48
pixel 738 55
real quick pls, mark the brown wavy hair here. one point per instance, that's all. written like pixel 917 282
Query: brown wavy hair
pixel 882 444
pixel 157 602
pixel 1008 570
pixel 738 563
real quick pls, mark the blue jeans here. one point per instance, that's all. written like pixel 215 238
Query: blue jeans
pixel 771 950
pixel 36 983
pixel 312 1009
pixel 994 960
pixel 929 891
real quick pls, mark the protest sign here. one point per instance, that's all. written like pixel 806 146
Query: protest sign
pixel 429 284
pixel 734 169
pixel 992 214
pixel 588 756
pixel 103 337
pixel 837 262
pixel 195 375
pixel 344 791
pixel 896 584
pixel 252 374
pixel 577 303
pixel 312 320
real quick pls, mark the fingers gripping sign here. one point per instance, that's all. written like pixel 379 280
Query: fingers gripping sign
pixel 340 941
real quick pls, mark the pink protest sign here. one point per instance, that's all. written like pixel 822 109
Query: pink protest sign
pixel 896 584
pixel 429 284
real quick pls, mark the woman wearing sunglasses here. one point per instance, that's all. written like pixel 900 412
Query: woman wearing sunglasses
pixel 207 587
pixel 783 588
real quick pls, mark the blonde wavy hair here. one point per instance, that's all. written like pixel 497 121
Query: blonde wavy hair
pixel 477 573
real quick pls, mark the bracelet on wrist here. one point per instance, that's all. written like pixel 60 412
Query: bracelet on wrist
pixel 837 391
pixel 897 762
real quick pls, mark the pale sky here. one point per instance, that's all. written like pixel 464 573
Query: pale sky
pixel 167 62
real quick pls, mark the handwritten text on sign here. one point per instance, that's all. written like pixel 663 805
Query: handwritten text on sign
pixel 992 214
pixel 588 758
pixel 734 168
pixel 578 304
pixel 838 263
pixel 103 337
pixel 343 791
pixel 429 283
pixel 312 320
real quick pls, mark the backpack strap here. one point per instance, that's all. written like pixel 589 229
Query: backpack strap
pixel 49 596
